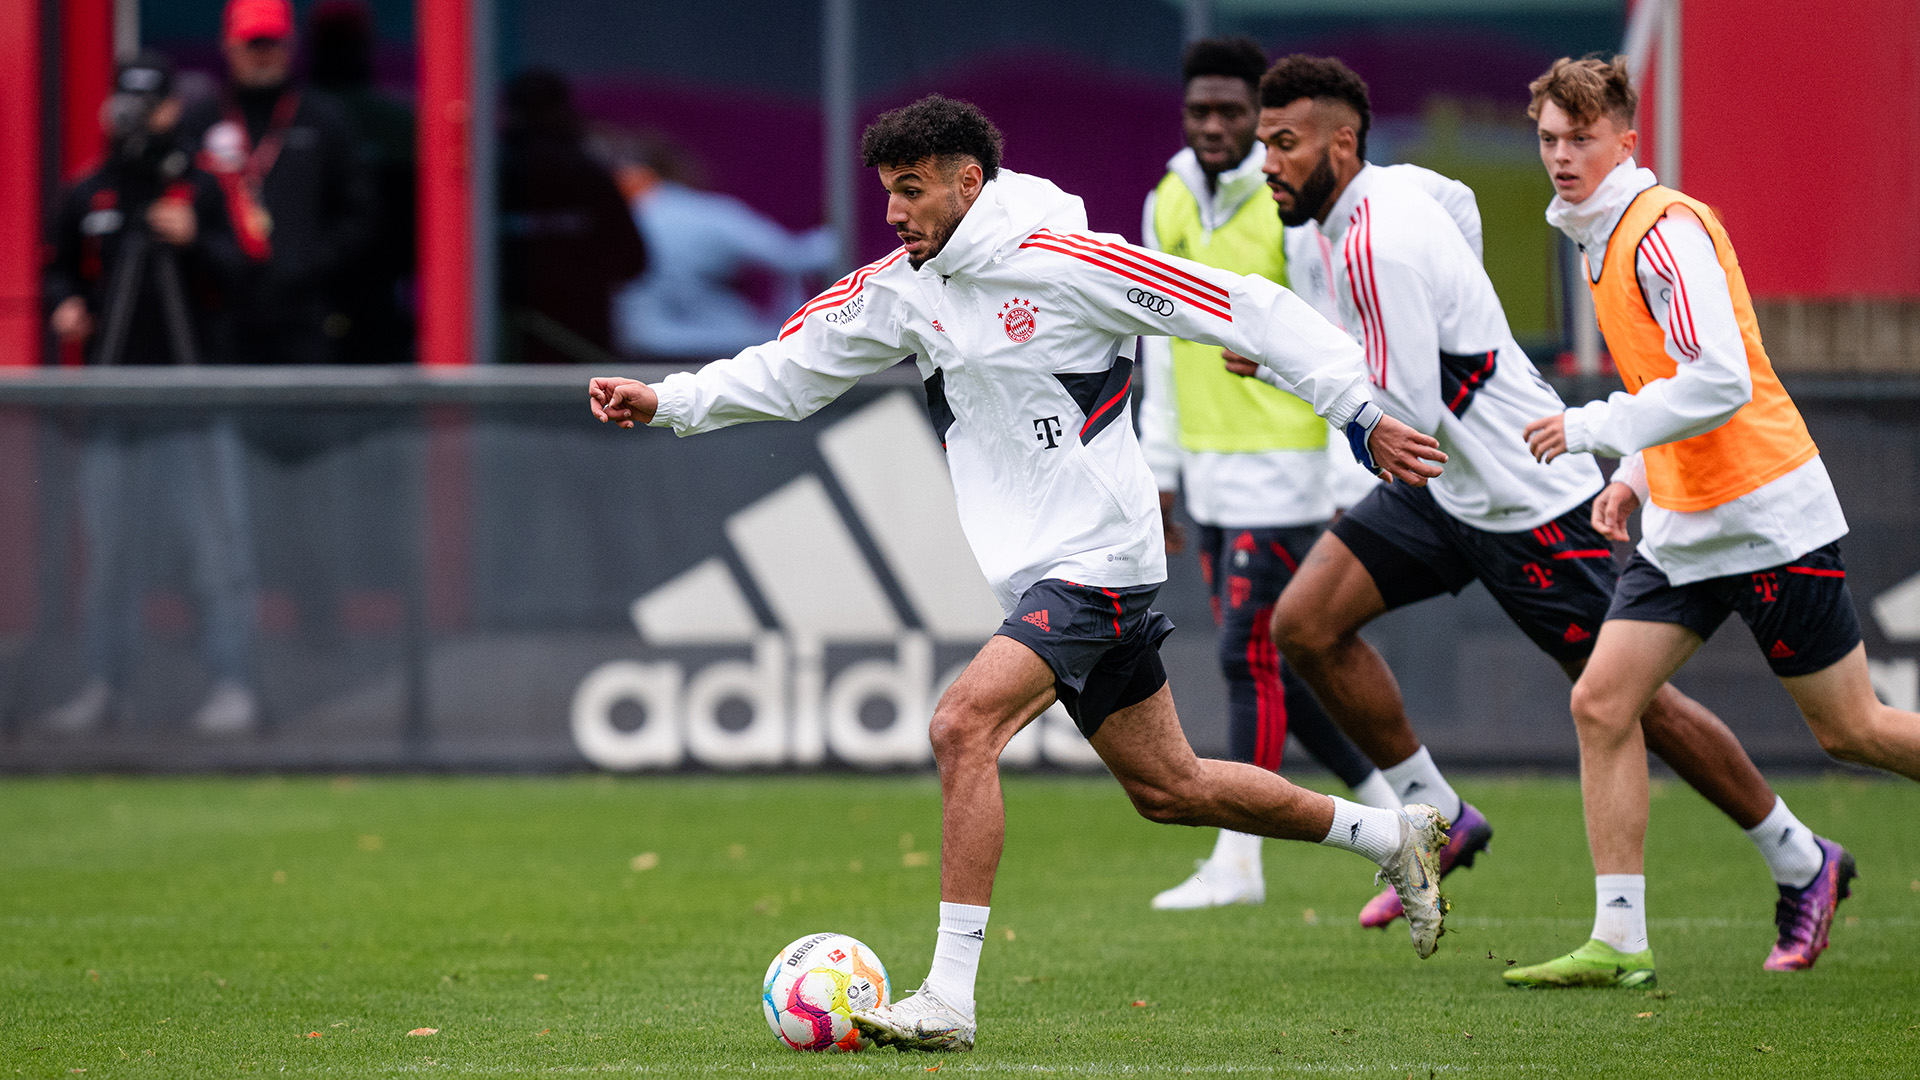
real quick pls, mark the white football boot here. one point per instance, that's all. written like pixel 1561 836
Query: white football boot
pixel 91 708
pixel 231 709
pixel 1216 882
pixel 920 1021
pixel 1414 873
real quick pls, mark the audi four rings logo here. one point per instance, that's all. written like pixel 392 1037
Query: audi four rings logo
pixel 1152 301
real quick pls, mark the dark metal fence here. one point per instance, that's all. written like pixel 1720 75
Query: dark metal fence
pixel 414 569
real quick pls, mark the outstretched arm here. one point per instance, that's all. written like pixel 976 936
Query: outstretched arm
pixel 844 333
pixel 1128 290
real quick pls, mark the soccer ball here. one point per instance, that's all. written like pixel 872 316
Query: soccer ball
pixel 813 988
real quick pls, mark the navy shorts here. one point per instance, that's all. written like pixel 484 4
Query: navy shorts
pixel 1554 581
pixel 1800 612
pixel 1102 644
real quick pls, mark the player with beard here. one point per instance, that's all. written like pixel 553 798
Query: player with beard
pixel 1019 320
pixel 1440 356
pixel 1252 460
pixel 1740 517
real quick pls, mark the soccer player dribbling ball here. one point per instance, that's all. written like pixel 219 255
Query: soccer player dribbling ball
pixel 1020 321
pixel 1740 514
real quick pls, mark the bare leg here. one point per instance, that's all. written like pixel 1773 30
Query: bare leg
pixel 1148 753
pixel 1000 692
pixel 1851 723
pixel 1316 624
pixel 1705 753
pixel 1630 662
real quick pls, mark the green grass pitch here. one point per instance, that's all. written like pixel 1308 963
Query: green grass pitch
pixel 214 927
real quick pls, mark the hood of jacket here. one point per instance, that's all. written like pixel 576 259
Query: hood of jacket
pixel 1590 222
pixel 1011 207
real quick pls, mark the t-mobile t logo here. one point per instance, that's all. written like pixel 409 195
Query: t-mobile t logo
pixel 1047 430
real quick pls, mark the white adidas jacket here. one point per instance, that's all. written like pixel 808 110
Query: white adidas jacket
pixel 1022 327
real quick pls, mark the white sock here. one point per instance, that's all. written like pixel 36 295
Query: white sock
pixel 1416 780
pixel 956 954
pixel 1238 847
pixel 1364 830
pixel 1620 911
pixel 1788 847
pixel 1376 791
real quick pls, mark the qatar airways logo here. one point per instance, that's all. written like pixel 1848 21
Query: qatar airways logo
pixel 791 696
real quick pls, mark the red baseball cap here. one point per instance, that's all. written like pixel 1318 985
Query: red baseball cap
pixel 247 20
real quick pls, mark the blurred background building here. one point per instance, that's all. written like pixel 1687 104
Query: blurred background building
pixel 431 545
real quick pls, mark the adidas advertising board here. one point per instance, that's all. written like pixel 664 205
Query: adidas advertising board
pixel 782 703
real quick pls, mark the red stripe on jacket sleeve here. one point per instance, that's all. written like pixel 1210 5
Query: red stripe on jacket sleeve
pixel 1679 313
pixel 1132 272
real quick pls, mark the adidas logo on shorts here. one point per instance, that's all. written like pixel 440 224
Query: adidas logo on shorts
pixel 1037 618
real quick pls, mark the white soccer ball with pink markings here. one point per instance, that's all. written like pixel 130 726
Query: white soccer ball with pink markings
pixel 814 986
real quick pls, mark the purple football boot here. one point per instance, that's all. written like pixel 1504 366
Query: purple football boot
pixel 1466 838
pixel 1804 915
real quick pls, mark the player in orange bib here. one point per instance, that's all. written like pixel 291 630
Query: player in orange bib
pixel 1740 518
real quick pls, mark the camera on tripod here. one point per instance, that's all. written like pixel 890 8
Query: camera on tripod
pixel 143 154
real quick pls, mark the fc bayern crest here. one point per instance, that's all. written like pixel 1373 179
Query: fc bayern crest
pixel 1017 316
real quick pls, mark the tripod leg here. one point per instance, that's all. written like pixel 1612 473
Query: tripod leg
pixel 123 292
pixel 173 307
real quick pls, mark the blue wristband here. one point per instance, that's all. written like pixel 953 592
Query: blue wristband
pixel 1359 429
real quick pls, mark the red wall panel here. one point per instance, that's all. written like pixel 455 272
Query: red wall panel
pixel 1801 124
pixel 445 182
pixel 20 182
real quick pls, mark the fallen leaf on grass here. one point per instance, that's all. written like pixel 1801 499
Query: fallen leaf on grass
pixel 1764 1048
pixel 931 1068
pixel 314 1035
pixel 1143 1004
pixel 541 1032
pixel 424 1031
pixel 1643 1016
pixel 1466 1034
pixel 93 974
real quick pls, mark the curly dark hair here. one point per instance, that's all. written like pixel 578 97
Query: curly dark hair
pixel 1236 58
pixel 1322 78
pixel 933 127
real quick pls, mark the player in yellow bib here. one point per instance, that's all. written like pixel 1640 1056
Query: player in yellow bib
pixel 1740 518
pixel 1252 460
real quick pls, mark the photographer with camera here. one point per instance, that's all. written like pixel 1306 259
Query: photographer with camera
pixel 142 259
